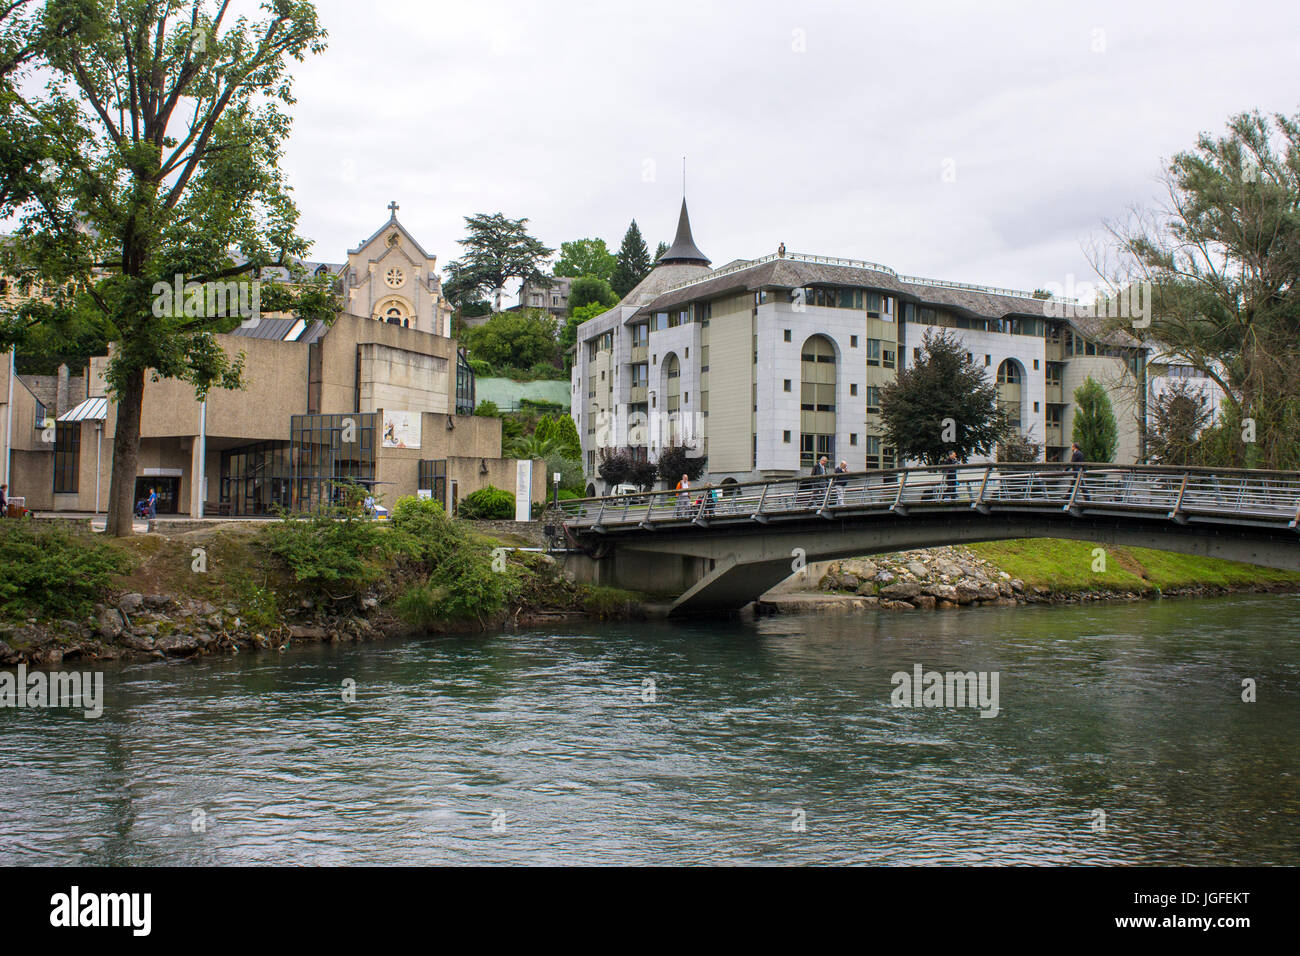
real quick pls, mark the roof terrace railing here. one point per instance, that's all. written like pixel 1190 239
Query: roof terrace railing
pixel 857 264
pixel 1209 496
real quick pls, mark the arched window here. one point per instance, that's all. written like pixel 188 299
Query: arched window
pixel 1011 377
pixel 817 380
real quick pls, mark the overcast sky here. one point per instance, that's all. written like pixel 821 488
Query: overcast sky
pixel 826 125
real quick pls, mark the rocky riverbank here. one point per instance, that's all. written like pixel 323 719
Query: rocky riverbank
pixel 951 577
pixel 218 589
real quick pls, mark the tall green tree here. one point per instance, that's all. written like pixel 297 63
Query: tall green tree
pixel 588 289
pixel 1094 429
pixel 941 402
pixel 1222 256
pixel 633 262
pixel 513 339
pixel 660 250
pixel 584 257
pixel 1175 419
pixel 497 249
pixel 159 126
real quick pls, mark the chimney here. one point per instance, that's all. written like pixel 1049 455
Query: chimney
pixel 61 404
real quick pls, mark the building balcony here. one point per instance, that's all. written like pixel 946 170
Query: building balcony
pixel 1055 395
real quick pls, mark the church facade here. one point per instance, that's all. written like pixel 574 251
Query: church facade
pixel 381 397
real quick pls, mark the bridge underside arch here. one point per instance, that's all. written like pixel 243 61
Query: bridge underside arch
pixel 715 572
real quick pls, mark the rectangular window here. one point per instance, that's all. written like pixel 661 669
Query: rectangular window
pixel 853 341
pixel 873 352
pixel 853 438
pixel 786 385
pixel 853 388
pixel 785 436
pixel 887 358
pixel 873 398
pixel 787 335
pixel 67 457
pixel 40 415
pixel 640 335
pixel 1035 365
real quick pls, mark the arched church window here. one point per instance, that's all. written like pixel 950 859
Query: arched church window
pixel 393 316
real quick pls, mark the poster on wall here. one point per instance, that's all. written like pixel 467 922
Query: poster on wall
pixel 523 489
pixel 401 429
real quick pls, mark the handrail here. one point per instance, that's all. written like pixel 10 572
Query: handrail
pixel 1241 496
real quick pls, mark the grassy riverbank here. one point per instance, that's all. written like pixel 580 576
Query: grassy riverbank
pixel 65 591
pixel 1068 567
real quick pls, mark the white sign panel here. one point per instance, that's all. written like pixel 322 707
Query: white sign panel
pixel 401 429
pixel 523 489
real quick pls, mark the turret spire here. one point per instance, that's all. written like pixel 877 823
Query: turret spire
pixel 683 249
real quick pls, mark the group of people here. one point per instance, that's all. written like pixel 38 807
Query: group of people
pixel 836 480
pixel 687 505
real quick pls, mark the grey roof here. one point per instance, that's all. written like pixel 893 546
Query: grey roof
pixel 662 277
pixel 277 329
pixel 684 249
pixel 796 271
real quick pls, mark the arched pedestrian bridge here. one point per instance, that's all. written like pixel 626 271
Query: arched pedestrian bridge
pixel 720 550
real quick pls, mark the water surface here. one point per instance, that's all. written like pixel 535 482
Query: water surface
pixel 706 743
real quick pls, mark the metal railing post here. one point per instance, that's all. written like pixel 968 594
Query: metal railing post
pixel 1182 490
pixel 898 496
pixel 758 511
pixel 978 503
pixel 826 496
pixel 1074 493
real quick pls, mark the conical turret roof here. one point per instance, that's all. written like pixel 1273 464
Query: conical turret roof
pixel 683 249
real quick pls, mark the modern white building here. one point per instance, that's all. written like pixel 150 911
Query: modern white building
pixel 765 364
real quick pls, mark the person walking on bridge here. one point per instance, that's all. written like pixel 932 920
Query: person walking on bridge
pixel 683 496
pixel 1076 458
pixel 818 488
pixel 950 475
pixel 839 481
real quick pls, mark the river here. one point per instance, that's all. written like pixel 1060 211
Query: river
pixel 1121 737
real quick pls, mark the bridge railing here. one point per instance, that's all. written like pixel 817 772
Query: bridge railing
pixel 1179 493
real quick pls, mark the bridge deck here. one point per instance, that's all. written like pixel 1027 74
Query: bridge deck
pixel 1224 496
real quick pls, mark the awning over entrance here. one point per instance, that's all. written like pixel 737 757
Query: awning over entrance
pixel 92 409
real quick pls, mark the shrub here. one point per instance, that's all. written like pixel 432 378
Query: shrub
pixel 462 587
pixel 487 409
pixel 47 571
pixel 331 547
pixel 481 367
pixel 459 582
pixel 570 470
pixel 488 504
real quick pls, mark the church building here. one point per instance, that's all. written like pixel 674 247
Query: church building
pixel 381 397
